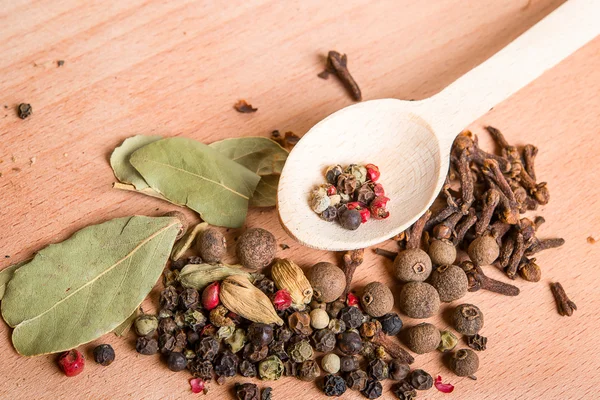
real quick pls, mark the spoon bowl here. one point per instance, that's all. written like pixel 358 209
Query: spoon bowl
pixel 410 141
pixel 380 132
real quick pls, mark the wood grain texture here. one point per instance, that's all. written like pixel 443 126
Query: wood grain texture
pixel 177 68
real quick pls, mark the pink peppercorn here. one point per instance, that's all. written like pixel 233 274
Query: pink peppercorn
pixel 71 362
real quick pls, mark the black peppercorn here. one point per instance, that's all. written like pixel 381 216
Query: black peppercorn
pixel 277 348
pixel 334 385
pixel 477 342
pixel 24 110
pixel 333 173
pixel 166 343
pixel 202 369
pixel 255 353
pixel 169 298
pixel 246 391
pixel 146 346
pixel 226 364
pixel 180 339
pixel 378 369
pixel 330 214
pixel 247 369
pixel 207 348
pixel 351 316
pixel 192 337
pixel 178 264
pixel 290 368
pixel 260 334
pixel 398 370
pixel 373 389
pixel 391 324
pixel 176 361
pixel 266 285
pixel 349 219
pixel 189 298
pixel 348 363
pixel 104 354
pixel 405 391
pixel 166 325
pixel 420 380
pixel 308 370
pixel 266 394
pixel 324 340
pixel 349 343
pixel 283 333
pixel 357 380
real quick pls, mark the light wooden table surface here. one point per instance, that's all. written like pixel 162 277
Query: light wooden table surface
pixel 177 67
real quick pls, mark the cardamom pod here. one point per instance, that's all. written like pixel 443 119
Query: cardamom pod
pixel 198 276
pixel 239 295
pixel 289 276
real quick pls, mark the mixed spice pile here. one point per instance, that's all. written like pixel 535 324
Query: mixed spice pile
pixel 265 317
pixel 351 196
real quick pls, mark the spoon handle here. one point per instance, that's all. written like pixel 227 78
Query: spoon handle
pixel 547 43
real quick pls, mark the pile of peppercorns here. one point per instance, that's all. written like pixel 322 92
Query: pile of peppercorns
pixel 351 196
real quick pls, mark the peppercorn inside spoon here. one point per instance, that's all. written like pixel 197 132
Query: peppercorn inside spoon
pixel 410 141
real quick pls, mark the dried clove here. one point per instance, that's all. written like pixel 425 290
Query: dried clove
pixel 564 304
pixel 466 181
pixel 529 154
pixel 463 226
pixel 338 64
pixel 445 229
pixel 386 253
pixel 490 202
pixel 515 258
pixel 351 259
pixel 544 244
pixel 478 280
pixel 391 347
pixel 416 232
pixel 243 107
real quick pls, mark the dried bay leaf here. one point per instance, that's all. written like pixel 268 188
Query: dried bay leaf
pixel 125 326
pixel 261 155
pixel 188 172
pixel 119 160
pixel 6 275
pixel 75 291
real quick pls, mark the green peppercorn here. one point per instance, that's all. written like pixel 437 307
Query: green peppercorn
pixel 237 340
pixel 301 351
pixel 271 368
pixel 145 325
pixel 449 341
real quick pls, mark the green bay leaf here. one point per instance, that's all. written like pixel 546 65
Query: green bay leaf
pixel 188 172
pixel 119 160
pixel 262 156
pixel 75 291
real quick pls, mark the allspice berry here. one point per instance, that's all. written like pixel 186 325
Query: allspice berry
pixel 211 245
pixel 464 362
pixel 256 248
pixel 419 300
pixel 413 265
pixel 484 250
pixel 450 281
pixel 377 299
pixel 328 282
pixel 423 338
pixel 442 252
pixel 467 319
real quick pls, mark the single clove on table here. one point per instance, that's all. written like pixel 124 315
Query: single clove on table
pixel 564 304
pixel 337 64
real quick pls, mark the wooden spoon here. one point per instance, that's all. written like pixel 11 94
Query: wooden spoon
pixel 410 140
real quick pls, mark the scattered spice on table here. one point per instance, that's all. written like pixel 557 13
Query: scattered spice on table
pixel 337 64
pixel 60 63
pixel 243 107
pixel 564 304
pixel 24 110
